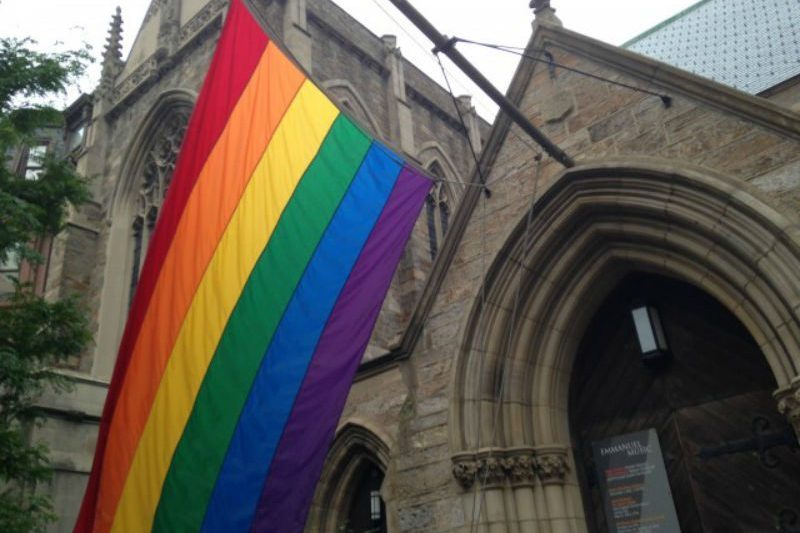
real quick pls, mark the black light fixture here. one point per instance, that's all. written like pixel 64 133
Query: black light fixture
pixel 649 332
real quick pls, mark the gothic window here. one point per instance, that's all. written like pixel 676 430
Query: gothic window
pixel 437 208
pixel 367 512
pixel 156 176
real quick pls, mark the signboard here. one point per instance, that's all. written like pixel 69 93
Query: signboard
pixel 634 484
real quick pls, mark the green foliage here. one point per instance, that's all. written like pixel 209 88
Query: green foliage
pixel 35 335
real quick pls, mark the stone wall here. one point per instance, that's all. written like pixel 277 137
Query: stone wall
pixel 707 128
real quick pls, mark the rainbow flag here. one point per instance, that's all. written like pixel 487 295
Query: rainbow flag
pixel 273 252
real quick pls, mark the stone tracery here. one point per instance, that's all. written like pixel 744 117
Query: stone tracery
pixel 157 169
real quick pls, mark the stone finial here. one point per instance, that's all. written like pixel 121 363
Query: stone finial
pixel 112 54
pixel 389 43
pixel 539 5
pixel 789 404
pixel 544 11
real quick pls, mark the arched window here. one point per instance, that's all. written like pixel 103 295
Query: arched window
pixel 157 169
pixel 139 191
pixel 437 207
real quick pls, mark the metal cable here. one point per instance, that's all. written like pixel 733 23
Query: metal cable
pixel 666 99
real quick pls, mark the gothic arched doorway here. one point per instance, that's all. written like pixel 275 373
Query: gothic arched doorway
pixel 725 447
pixel 511 434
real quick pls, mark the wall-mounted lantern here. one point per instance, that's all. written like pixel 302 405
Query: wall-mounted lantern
pixel 649 332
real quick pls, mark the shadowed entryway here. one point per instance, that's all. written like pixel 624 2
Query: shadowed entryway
pixel 710 402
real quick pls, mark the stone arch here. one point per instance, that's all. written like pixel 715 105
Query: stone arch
pixel 349 98
pixel 596 224
pixel 168 102
pixel 155 145
pixel 354 447
pixel 443 197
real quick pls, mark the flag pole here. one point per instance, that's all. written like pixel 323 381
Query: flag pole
pixel 447 47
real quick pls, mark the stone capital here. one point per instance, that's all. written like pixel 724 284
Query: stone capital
pixel 520 467
pixel 551 464
pixel 495 467
pixel 492 471
pixel 465 469
pixel 788 399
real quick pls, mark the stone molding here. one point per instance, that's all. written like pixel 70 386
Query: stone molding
pixel 789 404
pixel 519 467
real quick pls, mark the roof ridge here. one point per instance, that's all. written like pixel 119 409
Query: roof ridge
pixel 666 22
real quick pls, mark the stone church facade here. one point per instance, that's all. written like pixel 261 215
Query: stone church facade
pixel 505 347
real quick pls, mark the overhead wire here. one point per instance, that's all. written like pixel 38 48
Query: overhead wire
pixel 522 52
pixel 472 149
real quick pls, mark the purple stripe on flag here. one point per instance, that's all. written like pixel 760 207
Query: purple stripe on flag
pixel 298 460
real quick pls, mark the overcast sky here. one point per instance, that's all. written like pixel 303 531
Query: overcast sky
pixel 67 23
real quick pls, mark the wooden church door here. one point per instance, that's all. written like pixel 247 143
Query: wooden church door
pixel 731 460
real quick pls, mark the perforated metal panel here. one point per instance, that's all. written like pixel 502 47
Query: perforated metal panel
pixel 751 45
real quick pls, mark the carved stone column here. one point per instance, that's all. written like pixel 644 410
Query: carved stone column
pixel 521 471
pixel 789 404
pixel 401 121
pixel 552 468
